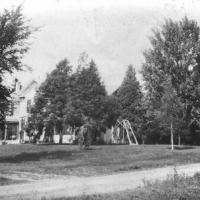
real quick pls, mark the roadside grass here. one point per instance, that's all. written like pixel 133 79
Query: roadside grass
pixel 178 187
pixel 104 159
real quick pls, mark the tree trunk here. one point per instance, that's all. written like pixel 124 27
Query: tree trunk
pixel 54 133
pixel 123 139
pixel 60 137
pixel 143 140
pixel 179 140
pixel 5 134
pixel 172 136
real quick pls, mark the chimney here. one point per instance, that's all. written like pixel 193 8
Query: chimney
pixel 17 85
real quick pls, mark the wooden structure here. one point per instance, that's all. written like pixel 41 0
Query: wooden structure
pixel 123 133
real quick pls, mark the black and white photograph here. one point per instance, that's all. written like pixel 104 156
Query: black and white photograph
pixel 99 99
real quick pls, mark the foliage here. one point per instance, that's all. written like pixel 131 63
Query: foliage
pixel 111 111
pixel 14 32
pixel 51 98
pixel 171 107
pixel 67 98
pixel 130 96
pixel 4 100
pixel 174 54
pixel 87 96
pixel 171 73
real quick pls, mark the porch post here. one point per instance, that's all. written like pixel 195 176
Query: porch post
pixel 19 128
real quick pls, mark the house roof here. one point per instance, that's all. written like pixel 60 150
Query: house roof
pixel 30 85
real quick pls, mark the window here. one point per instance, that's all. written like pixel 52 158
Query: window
pixel 12 108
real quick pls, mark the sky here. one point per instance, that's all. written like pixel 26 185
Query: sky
pixel 114 33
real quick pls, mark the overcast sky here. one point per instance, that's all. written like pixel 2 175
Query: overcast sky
pixel 113 32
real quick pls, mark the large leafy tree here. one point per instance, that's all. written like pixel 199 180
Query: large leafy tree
pixel 175 53
pixel 170 113
pixel 14 32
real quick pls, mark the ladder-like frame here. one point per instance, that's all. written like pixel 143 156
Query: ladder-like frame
pixel 125 124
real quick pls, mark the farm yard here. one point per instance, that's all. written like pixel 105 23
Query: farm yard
pixel 44 160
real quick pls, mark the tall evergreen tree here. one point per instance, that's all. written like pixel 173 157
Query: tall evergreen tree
pixel 111 111
pixel 52 96
pixel 87 96
pixel 130 96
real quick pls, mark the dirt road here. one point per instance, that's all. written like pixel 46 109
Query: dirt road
pixel 73 186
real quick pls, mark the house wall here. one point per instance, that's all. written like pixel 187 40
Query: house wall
pixel 22 108
pixel 20 99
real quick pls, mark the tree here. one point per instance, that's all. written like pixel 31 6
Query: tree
pixel 129 95
pixel 175 53
pixel 87 94
pixel 52 97
pixel 86 100
pixel 171 110
pixel 111 111
pixel 67 98
pixel 14 33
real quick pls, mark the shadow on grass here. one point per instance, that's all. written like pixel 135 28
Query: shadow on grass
pixel 128 168
pixel 50 144
pixel 54 144
pixel 36 156
pixel 88 149
pixel 182 147
pixel 7 181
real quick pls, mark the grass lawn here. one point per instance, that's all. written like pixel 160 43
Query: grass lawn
pixel 70 160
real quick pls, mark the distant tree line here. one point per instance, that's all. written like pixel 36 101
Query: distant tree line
pixel 166 109
pixel 72 99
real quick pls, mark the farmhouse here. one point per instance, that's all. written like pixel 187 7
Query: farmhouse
pixel 22 99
